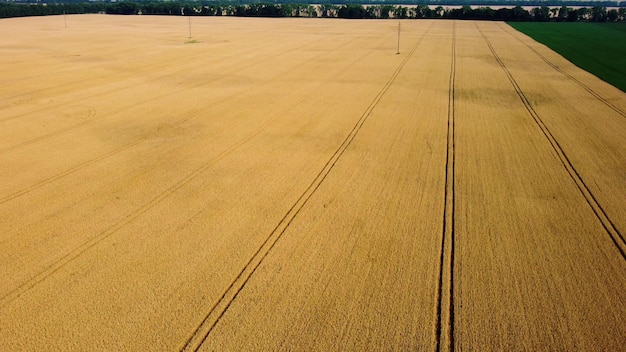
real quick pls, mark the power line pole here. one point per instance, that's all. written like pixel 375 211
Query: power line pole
pixel 189 26
pixel 398 51
pixel 64 17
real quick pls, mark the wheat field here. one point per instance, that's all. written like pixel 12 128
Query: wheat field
pixel 297 184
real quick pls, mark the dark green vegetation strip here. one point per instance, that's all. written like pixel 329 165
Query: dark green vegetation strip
pixel 599 48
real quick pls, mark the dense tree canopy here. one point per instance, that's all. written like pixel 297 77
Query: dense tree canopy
pixel 543 13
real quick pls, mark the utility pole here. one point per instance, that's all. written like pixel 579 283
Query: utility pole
pixel 189 26
pixel 398 51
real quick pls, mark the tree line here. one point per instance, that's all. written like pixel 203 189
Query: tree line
pixel 499 3
pixel 563 13
pixel 44 9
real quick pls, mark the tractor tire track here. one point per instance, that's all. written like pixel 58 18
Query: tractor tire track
pixel 132 216
pixel 148 101
pixel 120 109
pixel 570 77
pixel 134 105
pixel 115 151
pixel 601 215
pixel 219 308
pixel 87 120
pixel 129 218
pixel 60 68
pixel 171 73
pixel 444 325
pixel 156 67
pixel 110 153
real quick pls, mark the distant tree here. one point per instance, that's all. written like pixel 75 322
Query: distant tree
pixel 295 9
pixel 373 11
pixel 515 14
pixel 400 12
pixel 420 11
pixel 328 10
pixel 598 14
pixel 439 10
pixel 230 10
pixel 554 12
pixel 410 12
pixel 612 15
pixel 584 14
pixel 352 11
pixel 386 11
pixel 212 10
pixel 187 10
pixel 340 8
pixel 123 8
pixel 483 13
pixel 563 12
pixel 464 12
pixel 290 10
pixel 519 14
pixel 541 14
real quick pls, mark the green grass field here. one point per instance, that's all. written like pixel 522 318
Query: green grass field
pixel 599 48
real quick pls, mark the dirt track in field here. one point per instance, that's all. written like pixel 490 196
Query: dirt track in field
pixel 293 184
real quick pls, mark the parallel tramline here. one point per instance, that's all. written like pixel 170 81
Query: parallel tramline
pixel 305 184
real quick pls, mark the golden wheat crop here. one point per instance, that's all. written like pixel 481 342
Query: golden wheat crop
pixel 294 184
